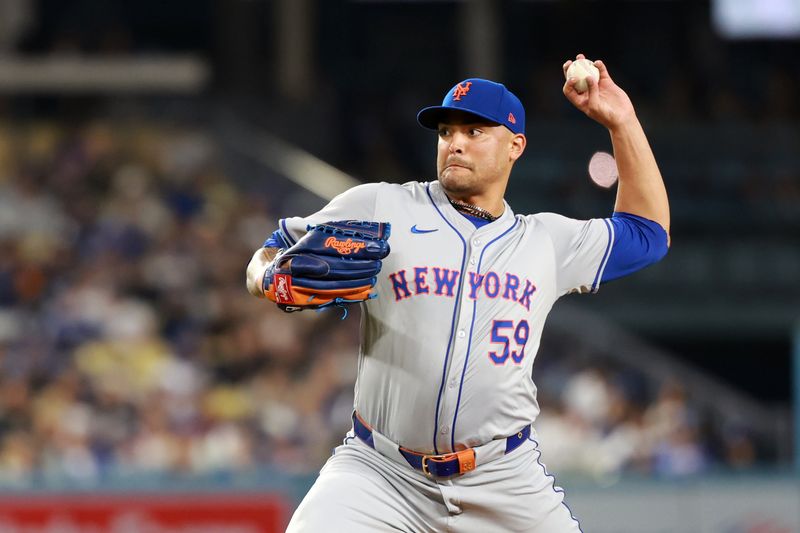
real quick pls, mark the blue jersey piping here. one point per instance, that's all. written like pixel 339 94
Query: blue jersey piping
pixel 452 321
pixel 469 342
pixel 286 233
pixel 606 255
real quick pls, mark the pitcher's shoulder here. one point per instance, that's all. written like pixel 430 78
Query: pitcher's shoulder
pixel 409 189
pixel 543 220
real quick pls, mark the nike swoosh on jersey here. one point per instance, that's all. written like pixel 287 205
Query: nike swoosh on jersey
pixel 414 229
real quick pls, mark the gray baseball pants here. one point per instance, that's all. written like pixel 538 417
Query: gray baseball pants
pixel 360 490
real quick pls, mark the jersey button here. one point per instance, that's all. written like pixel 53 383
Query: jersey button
pixel 453 383
pixel 462 333
pixel 471 260
pixel 444 430
pixel 476 242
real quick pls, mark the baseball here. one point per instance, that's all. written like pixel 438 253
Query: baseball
pixel 582 69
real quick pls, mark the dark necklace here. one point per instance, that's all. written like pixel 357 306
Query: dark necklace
pixel 473 210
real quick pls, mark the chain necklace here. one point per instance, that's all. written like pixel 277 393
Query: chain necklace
pixel 473 210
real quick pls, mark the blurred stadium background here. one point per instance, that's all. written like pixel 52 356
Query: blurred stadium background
pixel 146 148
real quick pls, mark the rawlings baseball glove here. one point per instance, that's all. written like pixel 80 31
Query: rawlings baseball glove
pixel 335 263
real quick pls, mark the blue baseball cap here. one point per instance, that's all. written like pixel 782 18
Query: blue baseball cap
pixel 484 98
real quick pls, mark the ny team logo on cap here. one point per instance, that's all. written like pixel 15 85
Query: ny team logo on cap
pixel 461 90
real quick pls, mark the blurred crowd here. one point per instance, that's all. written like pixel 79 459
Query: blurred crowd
pixel 128 343
pixel 127 340
pixel 602 419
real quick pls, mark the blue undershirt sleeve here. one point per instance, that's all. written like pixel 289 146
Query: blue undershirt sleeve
pixel 638 242
pixel 276 240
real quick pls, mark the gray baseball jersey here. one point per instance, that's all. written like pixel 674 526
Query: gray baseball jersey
pixel 448 346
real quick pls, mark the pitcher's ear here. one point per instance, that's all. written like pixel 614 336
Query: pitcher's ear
pixel 518 144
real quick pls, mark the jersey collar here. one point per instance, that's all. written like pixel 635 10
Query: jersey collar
pixel 464 225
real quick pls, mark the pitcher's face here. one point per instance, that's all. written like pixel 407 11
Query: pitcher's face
pixel 474 154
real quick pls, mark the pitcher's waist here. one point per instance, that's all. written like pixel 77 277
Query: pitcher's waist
pixel 442 465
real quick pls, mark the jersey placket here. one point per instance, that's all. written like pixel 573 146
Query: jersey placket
pixel 448 391
pixel 474 241
pixel 468 321
pixel 459 351
pixel 479 244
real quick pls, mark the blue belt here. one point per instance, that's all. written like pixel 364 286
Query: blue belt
pixel 445 465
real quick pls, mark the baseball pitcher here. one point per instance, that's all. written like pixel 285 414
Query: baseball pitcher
pixel 455 289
